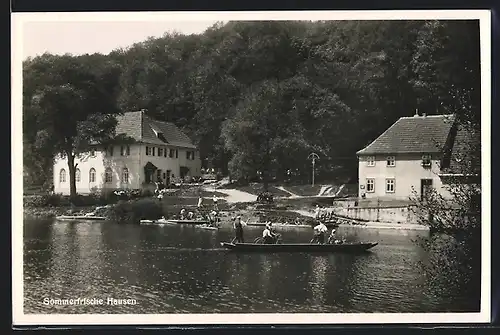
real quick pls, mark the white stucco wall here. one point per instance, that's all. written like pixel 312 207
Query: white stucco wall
pixel 134 163
pixel 407 173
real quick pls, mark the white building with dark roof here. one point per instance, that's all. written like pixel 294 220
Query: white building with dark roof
pixel 161 152
pixel 415 154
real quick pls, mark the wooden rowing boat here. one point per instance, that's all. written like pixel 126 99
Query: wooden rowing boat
pixel 300 247
pixel 207 227
pixel 80 217
pixel 280 225
pixel 196 222
pixel 159 221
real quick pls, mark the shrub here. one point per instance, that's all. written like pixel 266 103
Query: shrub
pixel 45 200
pixel 135 210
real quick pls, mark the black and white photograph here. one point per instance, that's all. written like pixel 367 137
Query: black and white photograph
pixel 251 167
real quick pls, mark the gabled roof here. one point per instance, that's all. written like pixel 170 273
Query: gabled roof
pixel 145 129
pixel 415 134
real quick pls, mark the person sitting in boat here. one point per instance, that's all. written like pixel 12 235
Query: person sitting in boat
pixel 268 236
pixel 190 216
pixel 331 238
pixel 297 221
pixel 213 219
pixel 183 214
pixel 319 233
pixel 238 230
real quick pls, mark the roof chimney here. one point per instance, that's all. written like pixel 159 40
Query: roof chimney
pixel 416 112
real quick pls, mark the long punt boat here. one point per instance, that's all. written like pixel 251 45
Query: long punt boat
pixel 80 217
pixel 299 247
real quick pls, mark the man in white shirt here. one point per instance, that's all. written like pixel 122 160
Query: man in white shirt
pixel 200 202
pixel 320 230
pixel 267 235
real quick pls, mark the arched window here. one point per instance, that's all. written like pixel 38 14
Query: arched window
pixel 92 175
pixel 108 175
pixel 125 176
pixel 77 175
pixel 62 176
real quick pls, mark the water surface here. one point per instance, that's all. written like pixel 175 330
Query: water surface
pixel 183 269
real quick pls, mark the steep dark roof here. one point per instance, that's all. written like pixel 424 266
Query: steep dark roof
pixel 464 152
pixel 147 130
pixel 416 134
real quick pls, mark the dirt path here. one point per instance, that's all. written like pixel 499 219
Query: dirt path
pixel 292 195
pixel 237 196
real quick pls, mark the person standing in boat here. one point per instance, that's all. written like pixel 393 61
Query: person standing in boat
pixel 319 233
pixel 200 203
pixel 238 230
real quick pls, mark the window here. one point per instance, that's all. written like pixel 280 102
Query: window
pixel 148 151
pixel 108 175
pixel 128 150
pixel 92 175
pixel 391 161
pixel 390 185
pixel 125 176
pixel 370 185
pixel 176 153
pixel 160 151
pixel 426 160
pixel 77 175
pixel 171 153
pixel 370 160
pixel 165 152
pixel 153 151
pixel 62 176
pixel 188 155
pixel 122 151
pixel 110 151
pixel 92 153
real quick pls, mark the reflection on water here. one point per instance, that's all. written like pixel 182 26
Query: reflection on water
pixel 182 269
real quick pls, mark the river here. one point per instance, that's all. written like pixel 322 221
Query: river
pixel 182 269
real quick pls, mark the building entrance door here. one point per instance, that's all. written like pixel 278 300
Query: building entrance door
pixel 425 188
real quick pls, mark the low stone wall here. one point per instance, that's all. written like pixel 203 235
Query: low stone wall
pixel 391 212
pixel 379 214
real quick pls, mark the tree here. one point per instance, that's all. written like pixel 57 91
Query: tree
pixel 73 105
pixel 261 132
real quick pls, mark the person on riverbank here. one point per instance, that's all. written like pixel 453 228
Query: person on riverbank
pixel 238 230
pixel 317 213
pixel 319 233
pixel 215 201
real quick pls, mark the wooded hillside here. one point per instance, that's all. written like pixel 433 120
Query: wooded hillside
pixel 260 96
